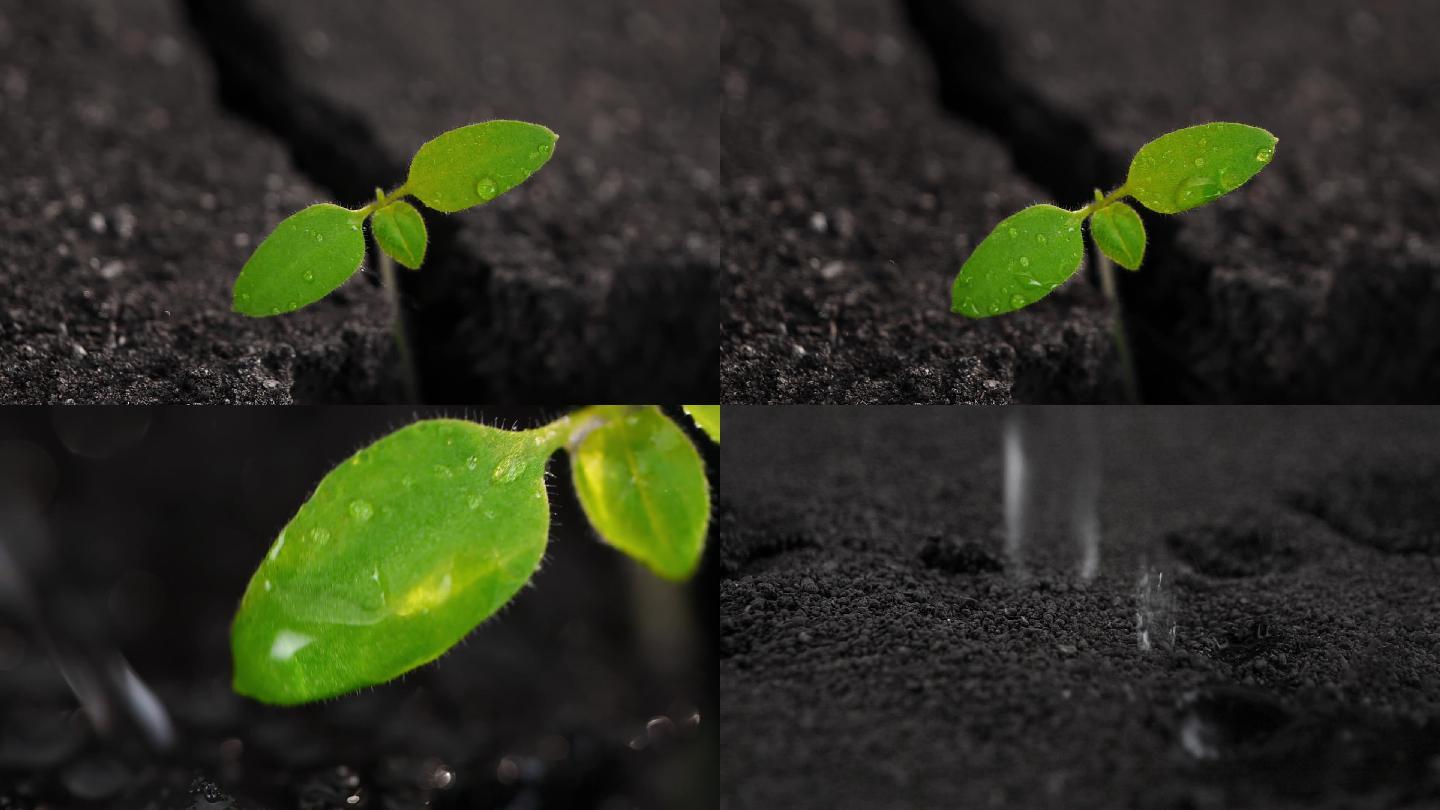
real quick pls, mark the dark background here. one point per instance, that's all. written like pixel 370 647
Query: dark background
pixel 869 147
pixel 150 145
pixel 876 652
pixel 152 521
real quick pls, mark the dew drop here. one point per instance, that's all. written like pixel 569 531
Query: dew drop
pixel 1264 155
pixel 474 502
pixel 1197 190
pixel 1040 237
pixel 308 275
pixel 361 509
pixel 244 296
pixel 486 189
pixel 471 463
pixel 319 535
pixel 1024 261
pixel 1017 301
pixel 508 470
pixel 1014 233
pixel 994 309
pixel 1199 162
pixel 319 237
pixel 1230 179
pixel 274 310
pixel 293 305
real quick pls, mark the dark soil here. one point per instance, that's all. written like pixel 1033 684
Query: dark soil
pixel 870 146
pixel 877 652
pixel 140 530
pixel 152 145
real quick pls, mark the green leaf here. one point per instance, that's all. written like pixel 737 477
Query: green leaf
pixel 306 257
pixel 400 231
pixel 1021 261
pixel 1193 166
pixel 707 417
pixel 643 487
pixel 398 554
pixel 1120 234
pixel 473 165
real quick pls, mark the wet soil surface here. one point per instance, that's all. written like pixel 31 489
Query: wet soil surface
pixel 879 648
pixel 155 143
pixel 870 146
pixel 140 529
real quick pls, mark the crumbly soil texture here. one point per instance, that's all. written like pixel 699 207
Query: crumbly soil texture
pixel 137 531
pixel 879 647
pixel 151 145
pixel 870 146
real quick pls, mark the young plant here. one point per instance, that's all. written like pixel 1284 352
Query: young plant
pixel 409 544
pixel 1032 252
pixel 314 251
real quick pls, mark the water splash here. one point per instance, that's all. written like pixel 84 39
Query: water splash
pixel 1154 608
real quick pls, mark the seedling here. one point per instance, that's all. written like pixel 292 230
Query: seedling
pixel 314 251
pixel 1032 252
pixel 410 543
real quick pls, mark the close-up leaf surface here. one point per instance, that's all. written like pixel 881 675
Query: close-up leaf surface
pixel 400 552
pixel 1120 234
pixel 1196 165
pixel 400 231
pixel 475 164
pixel 1022 260
pixel 642 485
pixel 307 256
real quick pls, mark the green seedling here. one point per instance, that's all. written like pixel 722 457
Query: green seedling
pixel 413 541
pixel 314 251
pixel 1032 252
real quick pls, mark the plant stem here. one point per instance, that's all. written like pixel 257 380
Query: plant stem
pixel 1117 328
pixel 571 429
pixel 1101 203
pixel 391 284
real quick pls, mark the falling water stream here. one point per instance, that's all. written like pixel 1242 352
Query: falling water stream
pixel 1051 501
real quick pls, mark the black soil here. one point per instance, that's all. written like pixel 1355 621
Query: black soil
pixel 869 146
pixel 153 144
pixel 140 530
pixel 878 649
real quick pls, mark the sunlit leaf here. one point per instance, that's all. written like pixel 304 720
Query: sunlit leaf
pixel 475 164
pixel 398 554
pixel 308 255
pixel 1021 261
pixel 643 488
pixel 1193 166
pixel 1120 234
pixel 707 417
pixel 400 231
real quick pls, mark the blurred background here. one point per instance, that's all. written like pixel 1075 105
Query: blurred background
pixel 127 536
pixel 153 143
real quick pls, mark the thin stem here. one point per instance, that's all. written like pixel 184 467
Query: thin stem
pixel 571 429
pixel 383 199
pixel 1117 328
pixel 1096 205
pixel 391 284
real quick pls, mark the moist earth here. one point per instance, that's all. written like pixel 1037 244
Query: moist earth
pixel 880 648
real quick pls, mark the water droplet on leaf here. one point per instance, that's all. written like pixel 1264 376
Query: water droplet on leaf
pixel 361 509
pixel 1017 300
pixel 486 189
pixel 1264 155
pixel 471 463
pixel 1197 190
pixel 1024 261
pixel 308 275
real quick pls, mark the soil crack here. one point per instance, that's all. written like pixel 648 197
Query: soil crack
pixel 333 147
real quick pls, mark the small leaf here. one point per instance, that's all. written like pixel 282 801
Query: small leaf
pixel 707 417
pixel 1021 261
pixel 398 554
pixel 643 488
pixel 1120 234
pixel 400 230
pixel 1193 166
pixel 473 165
pixel 305 258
